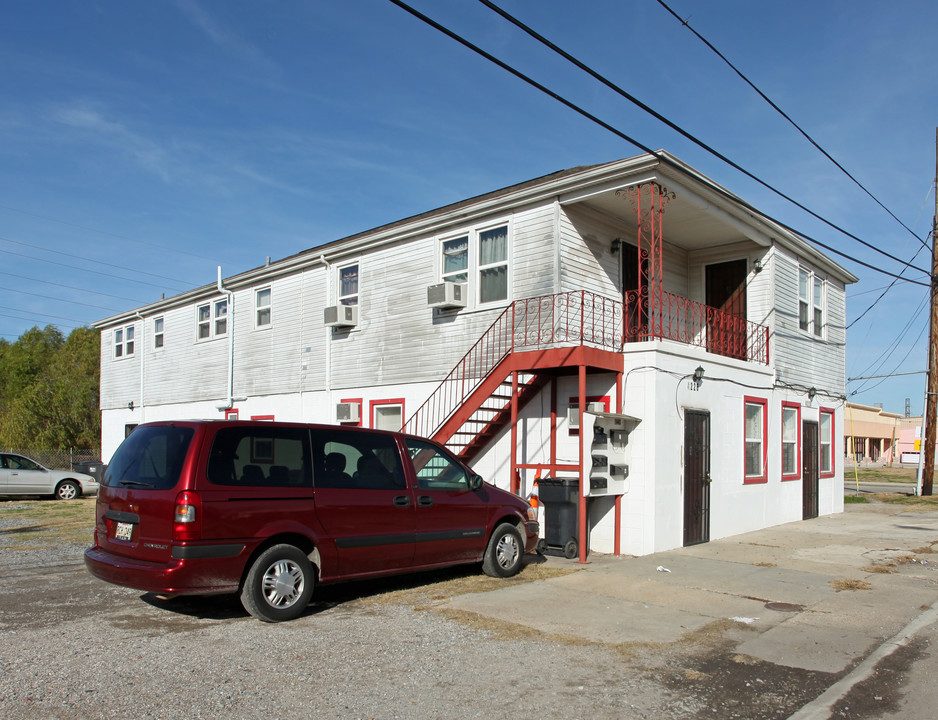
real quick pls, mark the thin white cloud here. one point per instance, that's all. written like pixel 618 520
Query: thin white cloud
pixel 146 153
pixel 224 38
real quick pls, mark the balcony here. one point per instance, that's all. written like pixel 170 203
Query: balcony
pixel 534 331
pixel 677 318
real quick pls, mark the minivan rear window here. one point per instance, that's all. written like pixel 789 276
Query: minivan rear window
pixel 268 456
pixel 150 458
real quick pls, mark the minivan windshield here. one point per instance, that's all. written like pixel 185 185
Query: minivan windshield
pixel 150 458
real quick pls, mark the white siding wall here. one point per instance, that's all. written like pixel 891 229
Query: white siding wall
pixel 588 262
pixel 801 358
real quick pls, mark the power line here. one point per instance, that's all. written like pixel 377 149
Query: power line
pixel 661 158
pixel 882 295
pixel 878 363
pixel 97 262
pixel 50 297
pixel 72 267
pixel 104 232
pixel 781 112
pixel 30 316
pixel 18 276
pixel 615 88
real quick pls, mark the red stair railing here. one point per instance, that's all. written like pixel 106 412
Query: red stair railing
pixel 584 318
pixel 561 320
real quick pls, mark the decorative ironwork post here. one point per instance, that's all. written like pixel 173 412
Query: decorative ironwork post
pixel 649 200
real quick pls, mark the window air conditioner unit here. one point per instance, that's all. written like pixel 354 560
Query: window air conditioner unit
pixel 341 316
pixel 447 295
pixel 348 412
pixel 573 413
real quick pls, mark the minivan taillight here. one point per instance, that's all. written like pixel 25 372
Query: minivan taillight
pixel 187 516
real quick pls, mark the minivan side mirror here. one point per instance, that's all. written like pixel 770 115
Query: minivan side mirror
pixel 475 482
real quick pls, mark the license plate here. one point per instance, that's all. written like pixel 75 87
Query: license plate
pixel 124 531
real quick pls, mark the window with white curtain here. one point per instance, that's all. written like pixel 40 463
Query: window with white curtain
pixel 480 258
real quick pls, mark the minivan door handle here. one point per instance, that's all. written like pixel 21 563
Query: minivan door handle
pixel 424 501
pixel 401 500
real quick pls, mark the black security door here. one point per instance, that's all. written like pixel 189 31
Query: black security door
pixel 696 477
pixel 809 471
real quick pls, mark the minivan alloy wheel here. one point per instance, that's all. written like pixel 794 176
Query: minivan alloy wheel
pixel 507 550
pixel 283 583
pixel 504 554
pixel 279 584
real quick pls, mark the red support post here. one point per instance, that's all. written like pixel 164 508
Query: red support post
pixel 514 433
pixel 582 540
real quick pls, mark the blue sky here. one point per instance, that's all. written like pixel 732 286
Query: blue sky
pixel 144 143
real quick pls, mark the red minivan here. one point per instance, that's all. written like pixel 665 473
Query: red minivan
pixel 268 509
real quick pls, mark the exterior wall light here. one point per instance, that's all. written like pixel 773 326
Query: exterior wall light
pixel 757 265
pixel 698 375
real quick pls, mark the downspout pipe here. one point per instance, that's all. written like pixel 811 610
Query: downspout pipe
pixel 328 343
pixel 143 355
pixel 229 401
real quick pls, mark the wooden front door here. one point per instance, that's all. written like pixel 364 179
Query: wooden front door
pixel 726 292
pixel 696 477
pixel 809 470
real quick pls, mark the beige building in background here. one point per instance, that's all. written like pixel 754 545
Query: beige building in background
pixel 871 434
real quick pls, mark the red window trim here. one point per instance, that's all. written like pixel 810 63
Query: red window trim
pixel 833 470
pixel 231 414
pixel 575 400
pixel 764 477
pixel 391 401
pixel 797 474
pixel 262 417
pixel 360 402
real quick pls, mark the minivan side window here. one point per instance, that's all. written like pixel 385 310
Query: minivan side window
pixel 435 470
pixel 149 458
pixel 260 456
pixel 356 460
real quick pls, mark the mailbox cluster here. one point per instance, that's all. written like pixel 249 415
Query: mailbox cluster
pixel 607 464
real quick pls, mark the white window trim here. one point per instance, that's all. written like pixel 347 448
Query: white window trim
pixel 474 267
pixel 213 319
pixel 159 335
pixel 351 298
pixel 814 304
pixel 258 308
pixel 125 342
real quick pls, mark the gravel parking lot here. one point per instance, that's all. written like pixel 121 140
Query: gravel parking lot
pixel 75 647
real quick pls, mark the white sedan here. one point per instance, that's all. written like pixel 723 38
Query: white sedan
pixel 21 476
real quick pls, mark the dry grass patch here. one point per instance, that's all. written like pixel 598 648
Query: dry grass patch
pixel 46 523
pixel 505 630
pixel 765 564
pixel 880 569
pixel 428 595
pixel 846 584
pixel 929 502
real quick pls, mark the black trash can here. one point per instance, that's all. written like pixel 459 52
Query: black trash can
pixel 94 468
pixel 561 500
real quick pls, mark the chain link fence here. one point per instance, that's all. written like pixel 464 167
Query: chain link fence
pixel 59 459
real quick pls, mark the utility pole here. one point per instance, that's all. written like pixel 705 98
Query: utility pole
pixel 931 395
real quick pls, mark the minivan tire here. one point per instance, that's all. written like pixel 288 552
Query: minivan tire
pixel 279 584
pixel 505 552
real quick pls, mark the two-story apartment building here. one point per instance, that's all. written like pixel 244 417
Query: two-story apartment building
pixel 638 287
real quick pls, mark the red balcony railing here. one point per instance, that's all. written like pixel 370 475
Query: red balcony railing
pixel 678 318
pixel 563 320
pixel 584 318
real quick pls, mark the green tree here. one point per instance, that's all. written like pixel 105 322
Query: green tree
pixel 50 389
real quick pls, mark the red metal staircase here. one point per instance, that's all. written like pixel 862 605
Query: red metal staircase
pixel 533 338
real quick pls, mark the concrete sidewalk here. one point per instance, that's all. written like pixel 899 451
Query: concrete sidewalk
pixel 779 583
